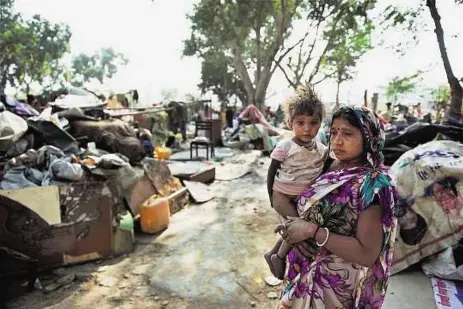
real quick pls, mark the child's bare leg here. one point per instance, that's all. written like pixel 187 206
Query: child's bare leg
pixel 279 260
pixel 268 255
pixel 283 205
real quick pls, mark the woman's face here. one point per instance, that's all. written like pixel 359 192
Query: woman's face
pixel 346 140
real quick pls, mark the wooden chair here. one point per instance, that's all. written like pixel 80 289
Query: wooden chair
pixel 203 142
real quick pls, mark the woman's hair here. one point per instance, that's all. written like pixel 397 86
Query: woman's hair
pixel 303 102
pixel 347 114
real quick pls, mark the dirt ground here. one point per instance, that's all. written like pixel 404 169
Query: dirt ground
pixel 210 257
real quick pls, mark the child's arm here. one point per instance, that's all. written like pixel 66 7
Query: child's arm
pixel 272 170
pixel 278 155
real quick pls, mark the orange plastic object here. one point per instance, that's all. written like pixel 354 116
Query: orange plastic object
pixel 162 153
pixel 154 215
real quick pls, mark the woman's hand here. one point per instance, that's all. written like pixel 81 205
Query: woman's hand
pixel 296 230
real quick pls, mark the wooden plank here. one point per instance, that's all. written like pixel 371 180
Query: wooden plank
pixel 178 200
pixel 200 192
pixel 44 201
pixel 139 192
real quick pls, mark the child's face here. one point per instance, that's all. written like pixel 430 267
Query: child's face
pixel 305 127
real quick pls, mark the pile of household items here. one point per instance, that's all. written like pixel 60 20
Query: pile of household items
pixel 72 181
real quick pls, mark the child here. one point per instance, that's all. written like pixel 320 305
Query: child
pixel 296 163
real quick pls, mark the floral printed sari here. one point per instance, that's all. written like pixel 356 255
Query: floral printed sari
pixel 319 279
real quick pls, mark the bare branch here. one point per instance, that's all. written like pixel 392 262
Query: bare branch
pixel 440 38
pixel 257 30
pixel 324 78
pixel 455 86
pixel 317 66
pixel 309 57
pixel 290 81
pixel 288 50
pixel 282 24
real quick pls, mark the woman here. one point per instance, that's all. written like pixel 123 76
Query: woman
pixel 343 241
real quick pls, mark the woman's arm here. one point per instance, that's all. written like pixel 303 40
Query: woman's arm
pixel 362 249
pixel 365 247
pixel 272 170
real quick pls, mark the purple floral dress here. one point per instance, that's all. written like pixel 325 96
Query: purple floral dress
pixel 322 280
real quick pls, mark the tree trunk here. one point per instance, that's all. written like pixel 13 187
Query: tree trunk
pixel 374 102
pixel 365 98
pixel 456 91
pixel 336 106
pixel 242 72
pixel 2 85
pixel 3 80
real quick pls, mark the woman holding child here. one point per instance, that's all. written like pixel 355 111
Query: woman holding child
pixel 338 236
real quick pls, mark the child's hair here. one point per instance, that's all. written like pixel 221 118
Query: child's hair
pixel 303 102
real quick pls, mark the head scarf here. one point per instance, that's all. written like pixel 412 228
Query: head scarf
pixel 372 133
pixel 377 179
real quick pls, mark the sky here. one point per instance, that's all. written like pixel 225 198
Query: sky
pixel 150 34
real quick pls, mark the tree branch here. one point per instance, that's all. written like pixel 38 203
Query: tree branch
pixel 309 57
pixel 241 69
pixel 288 50
pixel 258 42
pixel 455 86
pixel 324 78
pixel 290 82
pixel 317 66
pixel 440 39
pixel 281 23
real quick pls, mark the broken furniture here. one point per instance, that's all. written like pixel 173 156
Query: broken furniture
pixel 69 224
pixel 193 171
pixel 206 141
pixel 199 191
pixel 216 133
pixel 155 178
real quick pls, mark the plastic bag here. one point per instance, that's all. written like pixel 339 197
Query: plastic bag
pixel 443 266
pixel 12 128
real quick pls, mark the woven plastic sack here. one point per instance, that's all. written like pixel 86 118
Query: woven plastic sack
pixel 429 179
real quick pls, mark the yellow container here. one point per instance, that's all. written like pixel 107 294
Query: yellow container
pixel 154 215
pixel 162 153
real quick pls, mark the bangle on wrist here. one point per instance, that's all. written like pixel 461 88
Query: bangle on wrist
pixel 326 239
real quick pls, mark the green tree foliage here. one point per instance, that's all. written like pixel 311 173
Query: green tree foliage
pixel 13 35
pixel 101 65
pixel 241 43
pixel 219 77
pixel 341 60
pixel 409 18
pixel 244 35
pixel 39 57
pixel 30 49
pixel 441 93
pixel 334 29
pixel 399 86
pixel 441 96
